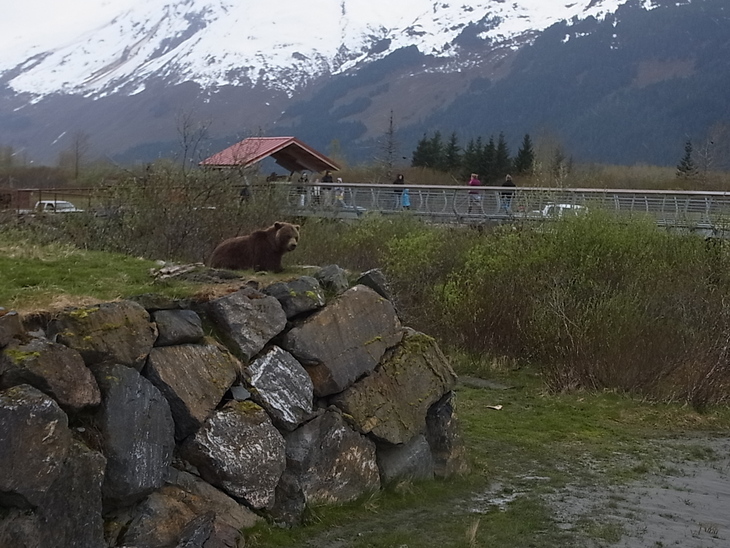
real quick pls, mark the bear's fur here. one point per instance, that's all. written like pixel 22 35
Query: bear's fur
pixel 260 250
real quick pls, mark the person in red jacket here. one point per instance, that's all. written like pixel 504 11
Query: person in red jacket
pixel 474 197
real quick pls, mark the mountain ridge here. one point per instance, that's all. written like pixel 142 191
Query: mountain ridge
pixel 196 40
pixel 579 78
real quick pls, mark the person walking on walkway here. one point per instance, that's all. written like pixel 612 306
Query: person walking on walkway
pixel 405 201
pixel 505 197
pixel 475 198
pixel 398 192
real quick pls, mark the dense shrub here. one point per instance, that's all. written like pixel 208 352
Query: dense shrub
pixel 164 213
pixel 596 303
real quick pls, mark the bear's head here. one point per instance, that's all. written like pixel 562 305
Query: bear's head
pixel 287 236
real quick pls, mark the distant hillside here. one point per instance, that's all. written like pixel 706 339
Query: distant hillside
pixel 630 89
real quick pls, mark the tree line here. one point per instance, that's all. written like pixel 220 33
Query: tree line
pixel 711 154
pixel 491 160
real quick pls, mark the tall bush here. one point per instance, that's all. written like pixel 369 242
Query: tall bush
pixel 165 213
pixel 598 304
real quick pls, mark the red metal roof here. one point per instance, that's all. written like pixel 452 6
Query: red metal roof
pixel 289 152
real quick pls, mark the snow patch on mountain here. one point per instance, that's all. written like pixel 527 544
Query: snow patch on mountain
pixel 115 46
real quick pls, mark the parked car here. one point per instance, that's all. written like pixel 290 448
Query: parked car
pixel 55 206
pixel 556 211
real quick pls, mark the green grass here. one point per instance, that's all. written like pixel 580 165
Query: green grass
pixel 41 276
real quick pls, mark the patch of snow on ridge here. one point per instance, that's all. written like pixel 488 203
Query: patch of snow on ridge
pixel 244 42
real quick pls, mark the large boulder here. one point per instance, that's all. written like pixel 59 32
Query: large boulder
pixel 188 513
pixel 194 379
pixel 54 482
pixel 53 368
pixel 21 529
pixel 290 503
pixel 280 385
pixel 177 327
pixel 333 278
pixel 70 513
pixel 392 403
pixel 298 296
pixel 201 497
pixel 345 340
pixel 118 332
pixel 411 460
pixel 331 462
pixel 158 521
pixel 138 434
pixel 34 444
pixel 376 280
pixel 174 518
pixel 444 437
pixel 247 320
pixel 198 533
pixel 72 510
pixel 239 450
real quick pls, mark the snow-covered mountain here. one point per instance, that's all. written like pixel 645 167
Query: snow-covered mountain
pixel 117 46
pixel 615 80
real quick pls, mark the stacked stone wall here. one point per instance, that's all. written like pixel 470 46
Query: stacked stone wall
pixel 156 423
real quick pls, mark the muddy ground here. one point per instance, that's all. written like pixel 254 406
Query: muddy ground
pixel 685 503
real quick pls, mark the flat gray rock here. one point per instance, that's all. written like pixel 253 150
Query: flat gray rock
pixel 345 340
pixel 193 378
pixel 247 320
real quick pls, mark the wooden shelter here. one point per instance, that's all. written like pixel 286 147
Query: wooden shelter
pixel 288 152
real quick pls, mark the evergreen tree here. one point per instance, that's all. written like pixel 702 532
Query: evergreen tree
pixel 487 162
pixel 471 160
pixel 420 157
pixel 429 152
pixel 687 167
pixel 525 159
pixel 502 160
pixel 452 154
pixel 436 150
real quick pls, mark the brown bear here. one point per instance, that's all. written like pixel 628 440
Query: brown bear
pixel 260 250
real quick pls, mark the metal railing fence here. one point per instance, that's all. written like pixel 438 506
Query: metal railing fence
pixel 704 211
pixel 692 210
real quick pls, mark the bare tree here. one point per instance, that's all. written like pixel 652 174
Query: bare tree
pixel 191 134
pixel 75 155
pixel 714 152
pixel 388 150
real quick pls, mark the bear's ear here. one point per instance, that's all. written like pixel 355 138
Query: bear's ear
pixel 296 226
pixel 278 225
